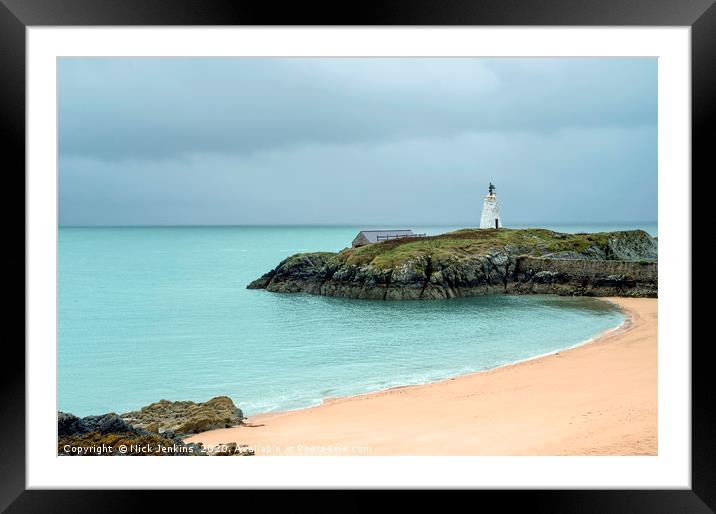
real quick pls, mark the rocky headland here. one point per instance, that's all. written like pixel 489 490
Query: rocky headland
pixel 471 262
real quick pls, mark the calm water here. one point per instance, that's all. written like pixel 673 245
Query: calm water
pixel 151 313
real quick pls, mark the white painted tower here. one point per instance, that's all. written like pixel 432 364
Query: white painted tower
pixel 491 210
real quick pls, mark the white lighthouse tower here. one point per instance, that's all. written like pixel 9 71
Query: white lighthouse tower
pixel 491 210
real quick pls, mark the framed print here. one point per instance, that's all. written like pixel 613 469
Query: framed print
pixel 420 248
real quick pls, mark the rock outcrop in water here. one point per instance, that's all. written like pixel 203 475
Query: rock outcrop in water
pixel 472 262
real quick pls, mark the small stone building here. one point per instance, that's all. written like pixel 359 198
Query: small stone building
pixel 366 237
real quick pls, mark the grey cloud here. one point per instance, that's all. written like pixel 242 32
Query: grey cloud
pixel 162 108
pixel 580 175
pixel 355 141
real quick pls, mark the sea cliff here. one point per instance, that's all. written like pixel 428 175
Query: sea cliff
pixel 471 262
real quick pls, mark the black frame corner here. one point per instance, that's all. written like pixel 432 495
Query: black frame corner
pixel 700 15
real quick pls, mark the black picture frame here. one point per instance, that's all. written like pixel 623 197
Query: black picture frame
pixel 17 15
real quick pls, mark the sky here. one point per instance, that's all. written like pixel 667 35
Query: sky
pixel 371 141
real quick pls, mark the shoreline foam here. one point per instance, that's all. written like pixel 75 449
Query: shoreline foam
pixel 624 325
pixel 345 419
pixel 329 399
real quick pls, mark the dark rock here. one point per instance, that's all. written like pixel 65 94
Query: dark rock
pixel 104 424
pixel 632 245
pixel 152 430
pixel 549 277
pixel 65 422
pixel 108 434
pixel 229 449
pixel 223 449
pixel 245 450
pixel 186 417
pixel 585 277
pixel 473 262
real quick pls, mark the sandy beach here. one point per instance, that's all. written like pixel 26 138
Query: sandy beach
pixel 597 399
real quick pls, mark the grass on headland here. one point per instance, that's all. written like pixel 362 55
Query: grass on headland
pixel 467 242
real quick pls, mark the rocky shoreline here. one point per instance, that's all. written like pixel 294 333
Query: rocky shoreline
pixel 474 262
pixel 186 417
pixel 157 429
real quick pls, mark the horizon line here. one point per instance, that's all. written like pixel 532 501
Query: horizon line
pixel 199 225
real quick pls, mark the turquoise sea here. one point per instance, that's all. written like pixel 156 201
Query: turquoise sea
pixel 146 313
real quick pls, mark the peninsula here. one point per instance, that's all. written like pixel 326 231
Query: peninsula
pixel 472 262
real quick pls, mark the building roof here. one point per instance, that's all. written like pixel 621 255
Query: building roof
pixel 372 235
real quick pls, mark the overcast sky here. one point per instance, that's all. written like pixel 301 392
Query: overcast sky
pixel 356 141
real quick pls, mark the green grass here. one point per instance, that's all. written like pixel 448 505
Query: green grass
pixel 466 242
pixel 310 254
